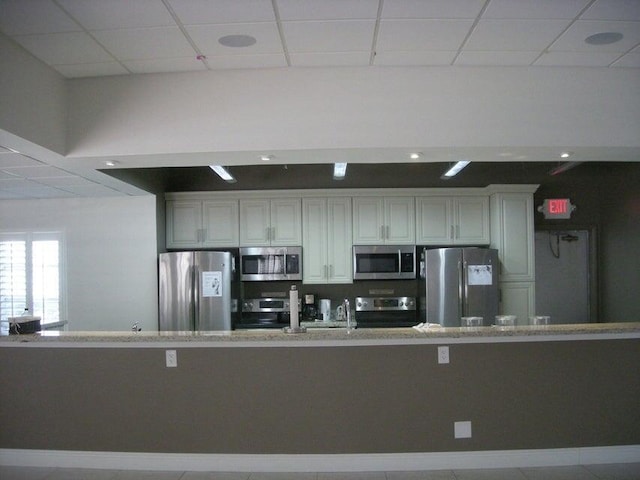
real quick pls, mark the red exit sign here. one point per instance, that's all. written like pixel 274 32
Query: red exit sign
pixel 557 208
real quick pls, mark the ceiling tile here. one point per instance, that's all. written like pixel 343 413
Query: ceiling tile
pixel 28 189
pixel 417 58
pixel 111 14
pixel 514 35
pixel 628 10
pixel 17 160
pixel 573 38
pixel 91 69
pixel 327 9
pixel 206 38
pixel 402 35
pixel 334 36
pixel 37 171
pixel 531 9
pixel 94 190
pixel 62 182
pixel 35 16
pixel 577 59
pixel 496 58
pixel 630 60
pixel 339 59
pixel 7 175
pixel 441 9
pixel 267 60
pixel 145 43
pixel 158 65
pixel 64 48
pixel 193 12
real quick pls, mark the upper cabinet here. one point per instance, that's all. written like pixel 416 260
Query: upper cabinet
pixel 460 220
pixel 270 222
pixel 384 220
pixel 326 240
pixel 513 235
pixel 202 224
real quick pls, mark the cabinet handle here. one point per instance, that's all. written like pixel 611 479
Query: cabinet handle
pixel 330 271
pixel 452 233
pixel 204 235
pixel 388 236
pixel 326 272
pixel 268 233
pixel 382 231
pixel 273 233
pixel 457 231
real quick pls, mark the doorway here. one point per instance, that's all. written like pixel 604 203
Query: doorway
pixel 565 275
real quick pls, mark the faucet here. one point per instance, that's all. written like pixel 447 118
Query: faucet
pixel 347 313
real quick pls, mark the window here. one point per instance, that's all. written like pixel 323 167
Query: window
pixel 30 275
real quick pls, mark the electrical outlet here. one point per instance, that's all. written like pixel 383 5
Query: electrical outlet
pixel 443 354
pixel 171 357
pixel 462 429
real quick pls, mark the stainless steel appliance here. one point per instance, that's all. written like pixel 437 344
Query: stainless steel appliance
pixel 264 313
pixel 384 262
pixel 195 290
pixel 458 282
pixel 270 263
pixel 388 312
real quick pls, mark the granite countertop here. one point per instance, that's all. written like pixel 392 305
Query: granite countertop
pixel 336 336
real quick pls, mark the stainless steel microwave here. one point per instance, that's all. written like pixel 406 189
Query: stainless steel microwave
pixel 384 262
pixel 270 263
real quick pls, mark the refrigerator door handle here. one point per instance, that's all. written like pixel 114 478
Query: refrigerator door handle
pixel 466 288
pixel 196 298
pixel 460 290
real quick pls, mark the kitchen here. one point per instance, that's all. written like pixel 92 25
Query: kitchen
pixel 112 243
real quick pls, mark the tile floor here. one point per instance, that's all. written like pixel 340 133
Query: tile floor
pixel 624 471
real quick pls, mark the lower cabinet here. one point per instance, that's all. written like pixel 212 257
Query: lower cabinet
pixel 326 240
pixel 518 298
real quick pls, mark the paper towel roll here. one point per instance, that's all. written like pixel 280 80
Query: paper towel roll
pixel 293 307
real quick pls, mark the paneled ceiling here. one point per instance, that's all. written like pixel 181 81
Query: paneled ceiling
pixel 88 38
pixel 81 38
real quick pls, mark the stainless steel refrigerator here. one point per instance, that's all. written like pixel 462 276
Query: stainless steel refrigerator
pixel 458 282
pixel 195 291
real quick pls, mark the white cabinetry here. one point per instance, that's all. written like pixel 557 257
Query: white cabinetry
pixel 513 235
pixel 383 220
pixel 266 222
pixel 198 224
pixel 452 220
pixel 326 240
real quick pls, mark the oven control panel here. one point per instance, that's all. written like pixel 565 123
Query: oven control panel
pixel 385 304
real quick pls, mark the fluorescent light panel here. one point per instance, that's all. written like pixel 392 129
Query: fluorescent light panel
pixel 339 170
pixel 456 169
pixel 223 173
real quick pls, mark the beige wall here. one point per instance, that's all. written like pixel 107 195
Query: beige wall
pixel 368 399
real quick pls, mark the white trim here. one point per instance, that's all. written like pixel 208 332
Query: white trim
pixel 320 463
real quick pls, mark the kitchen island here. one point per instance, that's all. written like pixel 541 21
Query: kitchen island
pixel 361 400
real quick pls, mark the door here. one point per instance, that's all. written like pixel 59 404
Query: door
pixel 443 270
pixel 480 295
pixel 176 309
pixel 213 290
pixel 563 275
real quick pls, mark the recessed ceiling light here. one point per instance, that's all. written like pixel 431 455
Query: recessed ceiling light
pixel 415 155
pixel 339 171
pixel 110 163
pixel 237 41
pixel 565 154
pixel 266 158
pixel 604 38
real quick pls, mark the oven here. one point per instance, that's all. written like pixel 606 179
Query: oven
pixel 264 313
pixel 385 312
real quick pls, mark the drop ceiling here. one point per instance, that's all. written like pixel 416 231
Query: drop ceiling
pixel 90 38
pixel 81 38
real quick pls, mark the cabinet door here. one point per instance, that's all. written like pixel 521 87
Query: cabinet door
pixel 184 224
pixel 255 224
pixel 471 220
pixel 339 244
pixel 512 234
pixel 368 220
pixel 286 222
pixel 220 223
pixel 434 221
pixel 314 240
pixel 400 220
pixel 518 298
